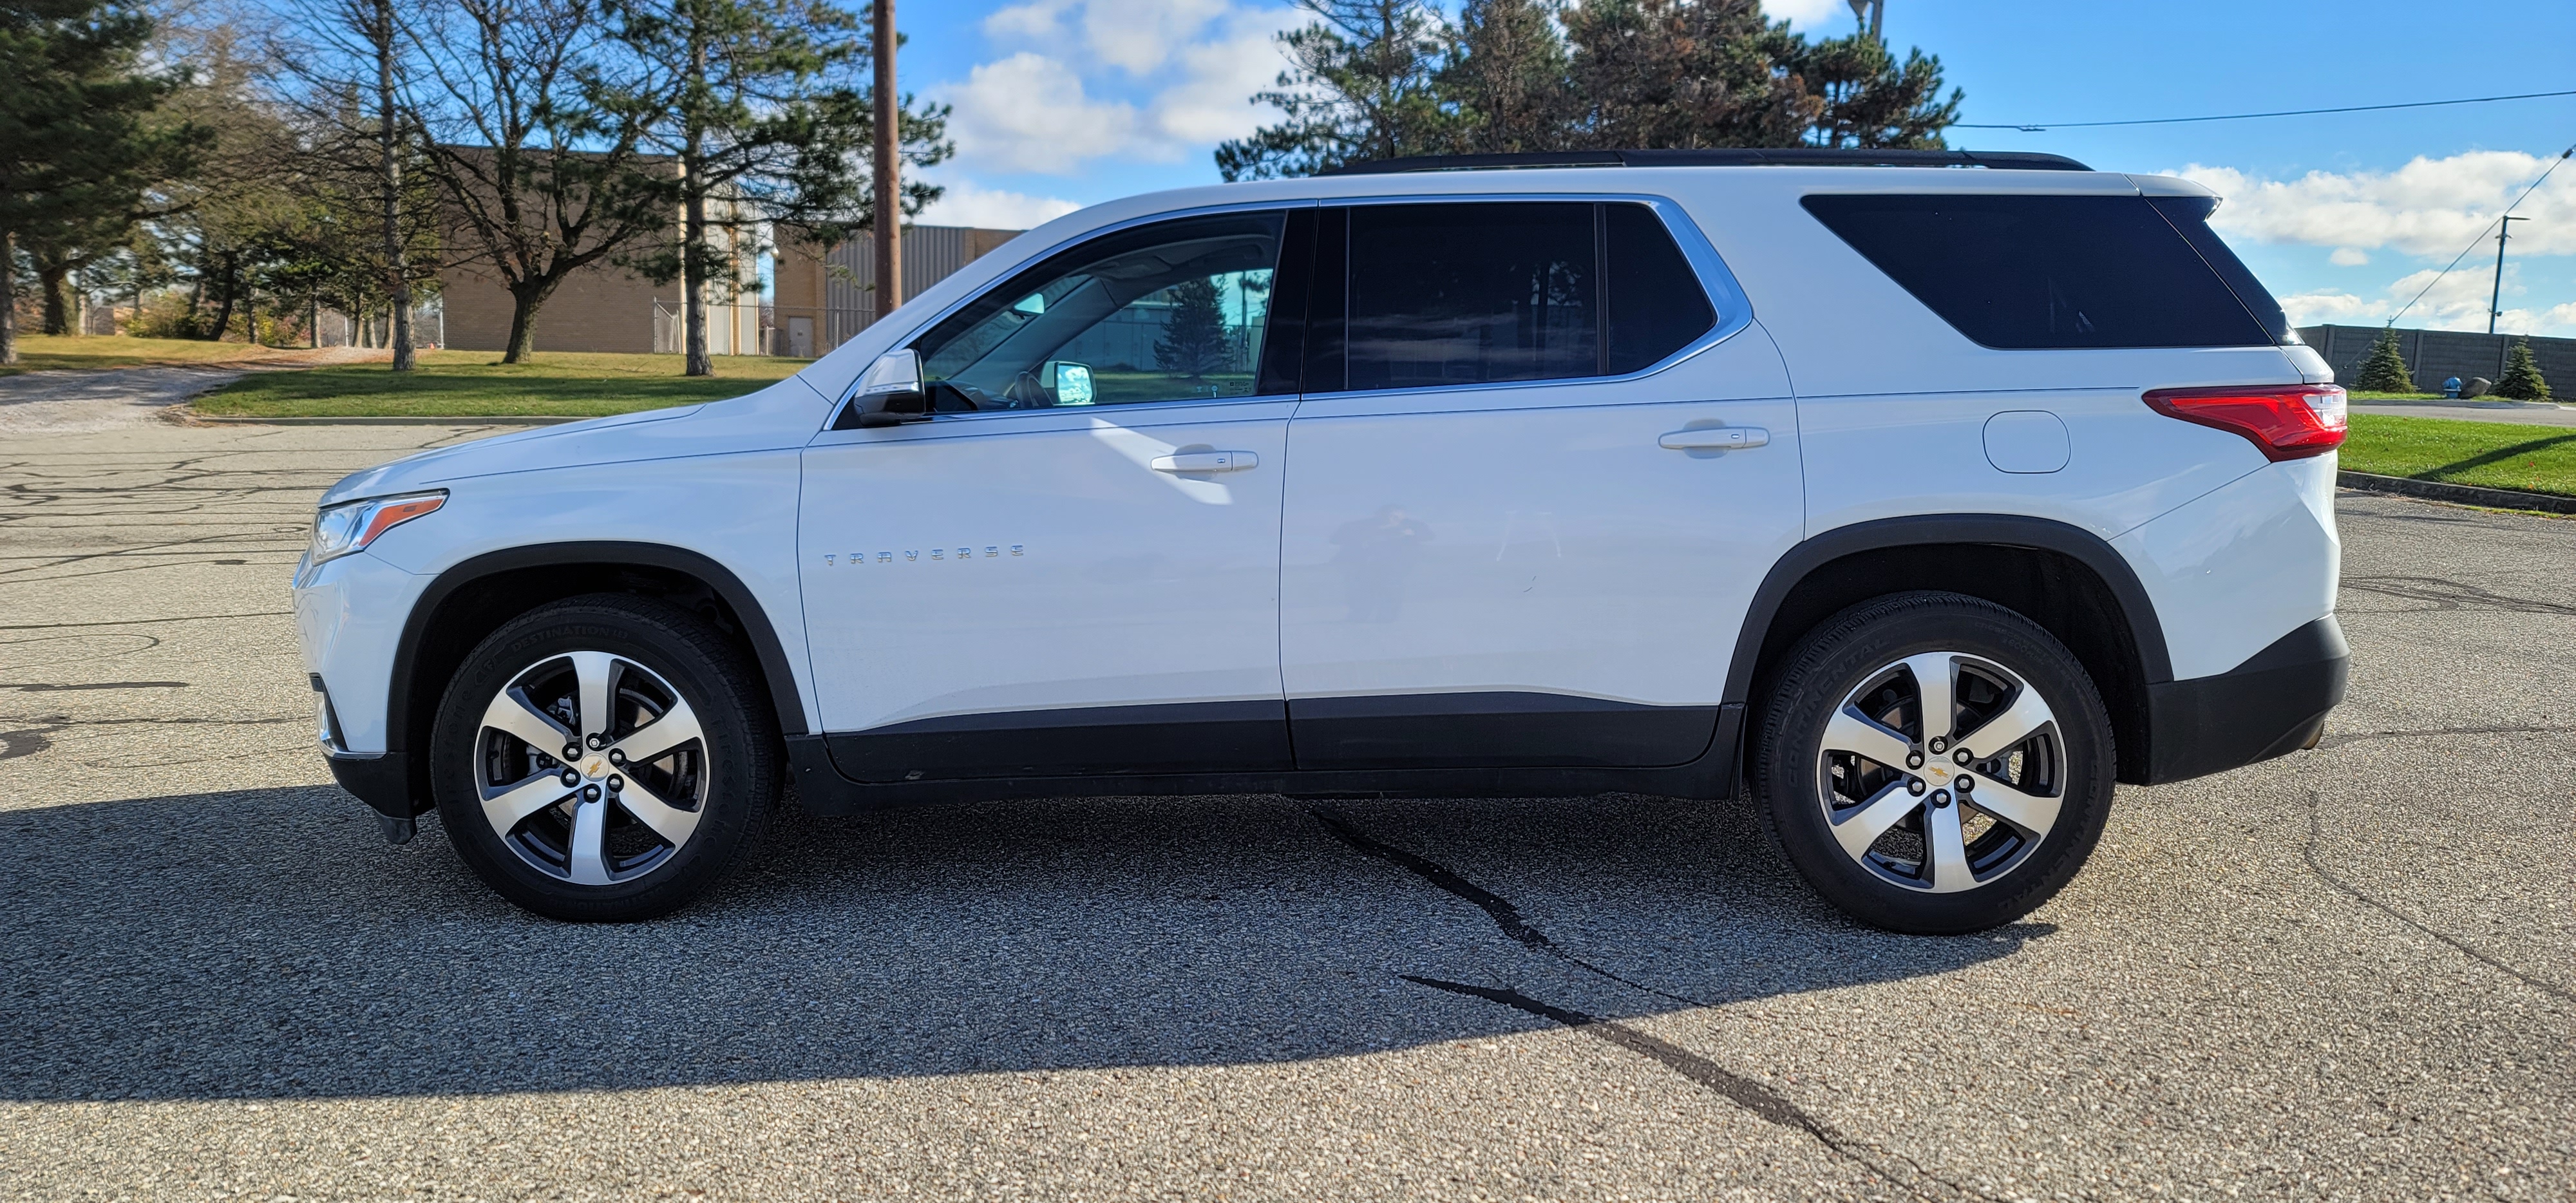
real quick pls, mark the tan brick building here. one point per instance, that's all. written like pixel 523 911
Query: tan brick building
pixel 825 296
pixel 822 297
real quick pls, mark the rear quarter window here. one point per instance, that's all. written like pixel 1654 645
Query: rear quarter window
pixel 2026 272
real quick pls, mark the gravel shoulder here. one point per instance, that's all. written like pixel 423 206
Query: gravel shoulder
pixel 2347 974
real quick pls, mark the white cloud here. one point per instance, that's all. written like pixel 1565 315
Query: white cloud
pixel 1034 110
pixel 2348 256
pixel 1029 112
pixel 1138 36
pixel 965 204
pixel 1807 14
pixel 2458 301
pixel 1213 99
pixel 2429 207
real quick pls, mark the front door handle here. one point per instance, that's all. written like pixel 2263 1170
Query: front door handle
pixel 1206 461
pixel 1716 438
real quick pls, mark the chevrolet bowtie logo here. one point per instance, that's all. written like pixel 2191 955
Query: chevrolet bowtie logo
pixel 596 766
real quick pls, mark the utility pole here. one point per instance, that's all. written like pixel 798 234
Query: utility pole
pixel 2496 299
pixel 888 214
pixel 1872 15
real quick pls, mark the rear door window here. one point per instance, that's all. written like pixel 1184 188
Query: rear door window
pixel 1456 294
pixel 2054 272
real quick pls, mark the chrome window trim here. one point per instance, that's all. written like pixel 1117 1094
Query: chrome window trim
pixel 1725 295
pixel 909 337
pixel 1734 307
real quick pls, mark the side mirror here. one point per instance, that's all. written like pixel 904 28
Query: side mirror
pixel 1071 382
pixel 888 394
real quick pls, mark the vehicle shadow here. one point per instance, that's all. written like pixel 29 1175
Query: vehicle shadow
pixel 264 943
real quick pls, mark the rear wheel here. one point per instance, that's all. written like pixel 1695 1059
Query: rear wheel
pixel 1934 763
pixel 603 758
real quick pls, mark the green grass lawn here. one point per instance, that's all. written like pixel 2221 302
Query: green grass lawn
pixel 59 352
pixel 477 383
pixel 2539 459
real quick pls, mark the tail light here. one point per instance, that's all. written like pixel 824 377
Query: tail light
pixel 2288 421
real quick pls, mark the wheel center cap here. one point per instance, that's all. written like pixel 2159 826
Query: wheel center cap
pixel 1936 772
pixel 595 768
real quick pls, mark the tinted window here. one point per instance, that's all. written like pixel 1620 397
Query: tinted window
pixel 1656 304
pixel 2046 271
pixel 1456 294
pixel 1465 294
pixel 2190 216
pixel 1166 312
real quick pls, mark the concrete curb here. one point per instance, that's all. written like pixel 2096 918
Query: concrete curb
pixel 230 420
pixel 2434 490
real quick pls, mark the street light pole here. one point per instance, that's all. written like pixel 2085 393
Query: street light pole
pixel 888 215
pixel 2496 298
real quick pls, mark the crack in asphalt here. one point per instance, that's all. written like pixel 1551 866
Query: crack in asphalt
pixel 2337 741
pixel 129 622
pixel 1753 1097
pixel 99 685
pixel 2308 852
pixel 2448 595
pixel 1504 914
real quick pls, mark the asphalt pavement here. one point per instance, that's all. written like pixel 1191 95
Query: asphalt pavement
pixel 2350 973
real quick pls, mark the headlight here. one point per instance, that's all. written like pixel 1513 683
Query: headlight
pixel 343 529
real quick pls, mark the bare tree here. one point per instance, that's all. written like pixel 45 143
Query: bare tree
pixel 536 135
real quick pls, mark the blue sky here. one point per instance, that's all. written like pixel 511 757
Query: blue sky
pixel 1061 103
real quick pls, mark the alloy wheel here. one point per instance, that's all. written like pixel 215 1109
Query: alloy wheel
pixel 1941 772
pixel 591 768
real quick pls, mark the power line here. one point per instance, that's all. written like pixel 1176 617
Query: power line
pixel 2482 237
pixel 2359 108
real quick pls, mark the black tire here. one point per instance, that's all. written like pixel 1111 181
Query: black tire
pixel 720 786
pixel 1803 787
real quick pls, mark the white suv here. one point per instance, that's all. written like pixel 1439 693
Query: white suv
pixel 1926 493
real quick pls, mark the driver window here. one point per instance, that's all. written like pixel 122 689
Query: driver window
pixel 1172 311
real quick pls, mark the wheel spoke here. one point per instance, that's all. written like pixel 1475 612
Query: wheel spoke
pixel 1946 860
pixel 597 672
pixel 506 806
pixel 511 713
pixel 677 726
pixel 2028 713
pixel 1851 731
pixel 1934 673
pixel 589 833
pixel 1862 827
pixel 2030 812
pixel 670 822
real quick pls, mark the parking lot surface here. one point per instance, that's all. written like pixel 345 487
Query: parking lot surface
pixel 2350 973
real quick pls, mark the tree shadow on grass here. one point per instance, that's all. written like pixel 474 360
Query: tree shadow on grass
pixel 263 944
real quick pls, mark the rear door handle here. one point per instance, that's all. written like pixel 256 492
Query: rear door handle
pixel 1206 461
pixel 1716 438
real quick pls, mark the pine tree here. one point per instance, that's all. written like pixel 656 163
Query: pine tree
pixel 1506 78
pixel 1194 343
pixel 2385 371
pixel 770 122
pixel 1359 88
pixel 79 134
pixel 2522 379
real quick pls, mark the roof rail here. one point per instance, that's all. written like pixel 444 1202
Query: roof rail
pixel 1797 156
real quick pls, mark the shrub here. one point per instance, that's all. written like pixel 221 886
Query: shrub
pixel 2522 380
pixel 2385 370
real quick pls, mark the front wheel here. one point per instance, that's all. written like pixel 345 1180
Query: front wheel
pixel 604 758
pixel 1933 763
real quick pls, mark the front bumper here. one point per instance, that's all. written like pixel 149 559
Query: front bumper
pixel 2272 704
pixel 382 781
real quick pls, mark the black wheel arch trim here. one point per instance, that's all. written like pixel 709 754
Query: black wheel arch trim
pixel 2146 631
pixel 756 627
